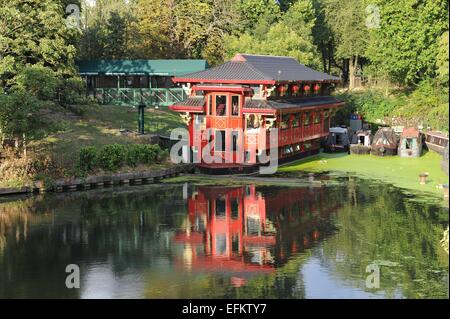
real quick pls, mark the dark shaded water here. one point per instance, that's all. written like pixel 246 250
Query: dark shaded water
pixel 187 241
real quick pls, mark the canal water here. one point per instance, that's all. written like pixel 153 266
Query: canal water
pixel 353 239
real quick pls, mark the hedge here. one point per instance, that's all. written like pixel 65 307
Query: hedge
pixel 112 157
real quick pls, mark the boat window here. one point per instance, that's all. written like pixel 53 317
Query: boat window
pixel 235 105
pixel 361 140
pixel 234 208
pixel 307 119
pixel 235 243
pixel 285 121
pixel 219 140
pixel 210 105
pixel 317 117
pixel 221 105
pixel 234 137
pixel 253 121
pixel 221 244
pixel 296 120
pixel 220 207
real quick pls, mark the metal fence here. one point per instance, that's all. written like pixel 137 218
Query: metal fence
pixel 133 97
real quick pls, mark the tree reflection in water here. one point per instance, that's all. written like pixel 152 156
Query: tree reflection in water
pixel 224 241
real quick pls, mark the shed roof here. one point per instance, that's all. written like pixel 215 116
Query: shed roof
pixel 264 69
pixel 140 67
pixel 410 132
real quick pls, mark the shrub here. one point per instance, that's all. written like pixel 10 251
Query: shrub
pixel 133 157
pixel 112 157
pixel 73 91
pixel 38 81
pixel 87 158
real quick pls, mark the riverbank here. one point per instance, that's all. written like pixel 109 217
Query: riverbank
pixel 56 155
pixel 395 170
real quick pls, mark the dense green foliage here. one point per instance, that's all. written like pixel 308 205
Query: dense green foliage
pixel 112 157
pixel 426 106
pixel 400 45
pixel 37 52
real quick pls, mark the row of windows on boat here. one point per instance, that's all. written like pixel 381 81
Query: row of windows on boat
pixel 219 105
pixel 293 120
pixel 219 206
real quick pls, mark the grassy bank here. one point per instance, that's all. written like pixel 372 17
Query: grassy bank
pixel 401 172
pixel 91 125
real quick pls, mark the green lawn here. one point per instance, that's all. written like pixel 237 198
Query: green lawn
pixel 99 125
pixel 401 172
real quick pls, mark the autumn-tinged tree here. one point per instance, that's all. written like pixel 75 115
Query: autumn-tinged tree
pixel 290 36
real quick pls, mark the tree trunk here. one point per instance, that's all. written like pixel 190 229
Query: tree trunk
pixel 24 145
pixel 352 66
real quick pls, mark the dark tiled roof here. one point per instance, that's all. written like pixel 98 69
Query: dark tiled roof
pixel 290 103
pixel 192 101
pixel 230 71
pixel 261 68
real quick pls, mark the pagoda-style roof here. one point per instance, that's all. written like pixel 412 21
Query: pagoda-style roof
pixel 258 69
pixel 291 103
pixel 192 103
pixel 140 67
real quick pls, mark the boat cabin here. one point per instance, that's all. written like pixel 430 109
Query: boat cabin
pixel 361 142
pixel 338 140
pixel 384 142
pixel 234 107
pixel 410 143
pixel 436 141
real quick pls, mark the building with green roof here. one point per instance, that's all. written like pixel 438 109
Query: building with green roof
pixel 130 82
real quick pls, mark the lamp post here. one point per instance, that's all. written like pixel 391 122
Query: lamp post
pixel 157 120
pixel 141 110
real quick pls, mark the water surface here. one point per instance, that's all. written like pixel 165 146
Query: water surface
pixel 190 241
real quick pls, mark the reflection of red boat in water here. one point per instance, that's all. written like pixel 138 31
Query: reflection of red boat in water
pixel 236 229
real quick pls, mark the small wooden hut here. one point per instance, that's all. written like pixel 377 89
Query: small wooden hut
pixel 361 142
pixel 410 143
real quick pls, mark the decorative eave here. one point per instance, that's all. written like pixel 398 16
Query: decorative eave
pixel 308 81
pixel 312 107
pixel 221 88
pixel 197 80
pixel 186 108
pixel 259 111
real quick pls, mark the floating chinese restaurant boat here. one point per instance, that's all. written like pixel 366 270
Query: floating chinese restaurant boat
pixel 254 105
pixel 436 141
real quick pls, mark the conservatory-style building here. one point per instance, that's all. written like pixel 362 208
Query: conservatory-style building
pixel 241 100
pixel 130 82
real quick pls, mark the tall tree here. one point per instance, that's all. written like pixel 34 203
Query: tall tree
pixel 34 32
pixel 404 47
pixel 290 36
pixel 346 19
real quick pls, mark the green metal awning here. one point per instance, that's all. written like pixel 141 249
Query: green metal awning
pixel 141 67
